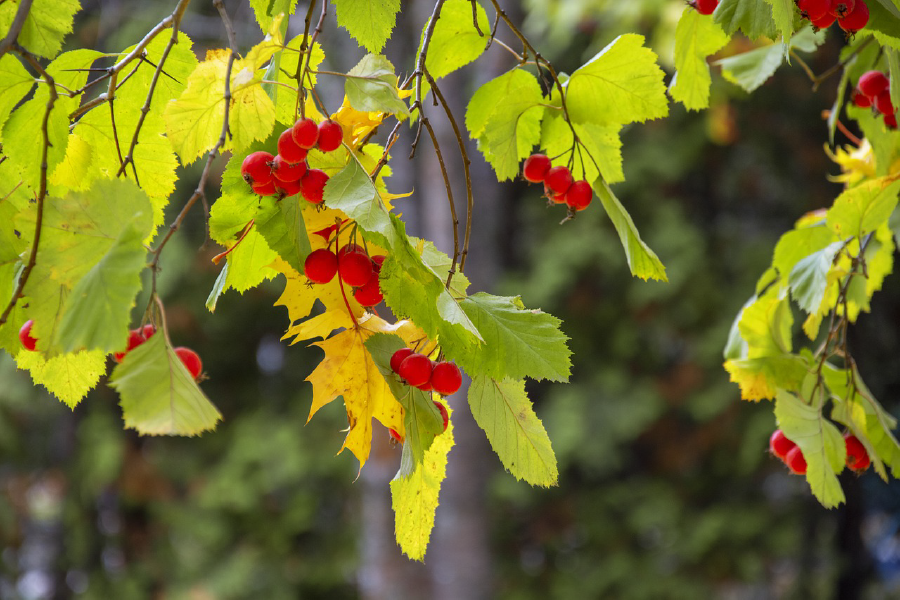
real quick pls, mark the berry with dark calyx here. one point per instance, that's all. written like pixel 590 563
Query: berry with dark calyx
pixel 795 461
pixel 312 186
pixel 559 179
pixel 397 437
pixel 823 22
pixel 305 133
pixel 446 378
pixel 779 445
pixel 191 361
pixel 255 169
pixel 288 148
pixel 135 339
pixel 320 266
pixel 857 457
pixel 855 19
pixel 354 265
pixel 398 357
pixel 444 415
pixel 860 99
pixel 287 188
pixel 535 168
pixel 842 8
pixel 890 121
pixel 883 103
pixel 415 369
pixel 330 135
pixel 872 83
pixel 553 196
pixel 28 342
pixel 285 171
pixel 369 294
pixel 705 7
pixel 814 9
pixel 377 261
pixel 579 195
pixel 265 189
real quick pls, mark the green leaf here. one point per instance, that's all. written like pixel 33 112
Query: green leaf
pixel 518 342
pixel 266 9
pixel 505 118
pixel 798 243
pixel 766 325
pixel 158 394
pixel 69 377
pixel 248 264
pixel 753 17
pixel 504 412
pixel 752 69
pixel 371 86
pixel 760 378
pixel 809 277
pixel 46 26
pixel 440 263
pixel 602 146
pixel 15 84
pixel 642 261
pixel 621 84
pixel 736 346
pixel 455 41
pixel 783 15
pixel 284 231
pixel 414 497
pixel 884 24
pixel 863 208
pixel 370 23
pixel 696 38
pixel 218 289
pixel 821 443
pixel 286 101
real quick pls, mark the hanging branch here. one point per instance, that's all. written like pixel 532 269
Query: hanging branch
pixel 420 71
pixel 300 108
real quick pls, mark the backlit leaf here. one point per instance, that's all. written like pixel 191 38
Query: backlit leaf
pixel 370 23
pixel 642 261
pixel 696 38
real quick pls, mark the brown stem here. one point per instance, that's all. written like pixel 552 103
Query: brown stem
pixel 304 47
pixel 341 281
pixel 420 70
pixel 437 150
pixel 15 29
pixel 392 137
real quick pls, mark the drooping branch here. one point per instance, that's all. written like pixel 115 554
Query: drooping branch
pixel 420 71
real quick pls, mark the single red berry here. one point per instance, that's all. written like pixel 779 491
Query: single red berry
pixel 814 9
pixel 890 121
pixel 305 133
pixel 446 378
pixel 354 265
pixel 443 410
pixel 415 369
pixel 823 22
pixel 191 361
pixel 559 179
pixel 553 196
pixel 883 103
pixel 857 457
pixel 795 461
pixel 397 437
pixel 780 445
pixel 287 188
pixel 369 294
pixel 255 168
pixel 285 171
pixel 320 266
pixel 265 189
pixel 842 8
pixel 135 339
pixel 288 149
pixel 398 357
pixel 312 186
pixel 147 331
pixel 425 387
pixel 860 99
pixel 28 342
pixel 377 261
pixel 535 168
pixel 855 19
pixel 579 195
pixel 705 7
pixel 872 83
pixel 330 135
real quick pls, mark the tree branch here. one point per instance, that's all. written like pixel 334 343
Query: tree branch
pixel 9 42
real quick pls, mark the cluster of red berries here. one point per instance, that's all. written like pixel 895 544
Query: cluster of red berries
pixel 357 269
pixel 559 185
pixel 704 7
pixel 287 173
pixel 790 453
pixel 851 15
pixel 421 372
pixel 874 89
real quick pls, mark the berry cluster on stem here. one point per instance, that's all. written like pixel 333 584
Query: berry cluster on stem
pixel 419 371
pixel 355 267
pixel 559 185
pixel 874 89
pixel 851 15
pixel 790 453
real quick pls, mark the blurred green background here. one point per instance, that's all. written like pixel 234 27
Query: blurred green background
pixel 666 488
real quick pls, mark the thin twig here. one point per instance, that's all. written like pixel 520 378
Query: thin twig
pixel 392 137
pixel 420 70
pixel 454 218
pixel 300 108
pixel 15 29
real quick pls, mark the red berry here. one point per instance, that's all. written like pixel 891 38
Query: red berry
pixel 288 149
pixel 780 445
pixel 705 7
pixel 28 342
pixel 857 457
pixel 824 22
pixel 312 185
pixel 330 135
pixel 795 461
pixel 415 369
pixel 579 195
pixel 397 437
pixel 872 83
pixel 559 179
pixel 265 189
pixel 305 133
pixel 191 361
pixel 446 378
pixel 147 331
pixel 287 188
pixel 855 19
pixel 398 357
pixel 255 168
pixel 842 8
pixel 369 294
pixel 883 103
pixel 377 261
pixel 443 411
pixel 814 9
pixel 425 387
pixel 354 265
pixel 285 171
pixel 890 121
pixel 535 168
pixel 320 266
pixel 861 100
pixel 135 339
pixel 553 196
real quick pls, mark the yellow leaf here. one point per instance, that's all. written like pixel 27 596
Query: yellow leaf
pixel 69 377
